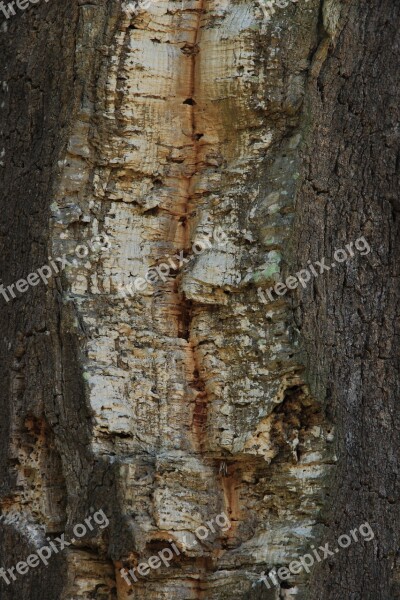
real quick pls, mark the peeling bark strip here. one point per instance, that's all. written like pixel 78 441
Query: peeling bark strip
pixel 191 399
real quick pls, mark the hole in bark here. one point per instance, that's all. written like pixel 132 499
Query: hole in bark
pixel 190 49
pixel 198 136
pixel 123 434
pixel 184 322
pixel 189 101
pixel 296 414
pixel 152 212
pixel 38 467
pixel 155 546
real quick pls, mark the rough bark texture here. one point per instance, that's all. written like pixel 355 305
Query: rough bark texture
pixel 350 321
pixel 192 397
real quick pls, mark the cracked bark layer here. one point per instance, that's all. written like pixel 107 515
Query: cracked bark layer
pixel 191 398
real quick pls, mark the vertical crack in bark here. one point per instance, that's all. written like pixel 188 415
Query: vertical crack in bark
pixel 197 384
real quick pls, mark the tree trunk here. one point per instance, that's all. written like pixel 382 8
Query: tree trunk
pixel 185 156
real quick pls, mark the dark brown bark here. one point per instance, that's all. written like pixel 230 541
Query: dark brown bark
pixel 37 71
pixel 349 318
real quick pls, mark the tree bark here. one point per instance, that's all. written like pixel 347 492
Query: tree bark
pixel 221 151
